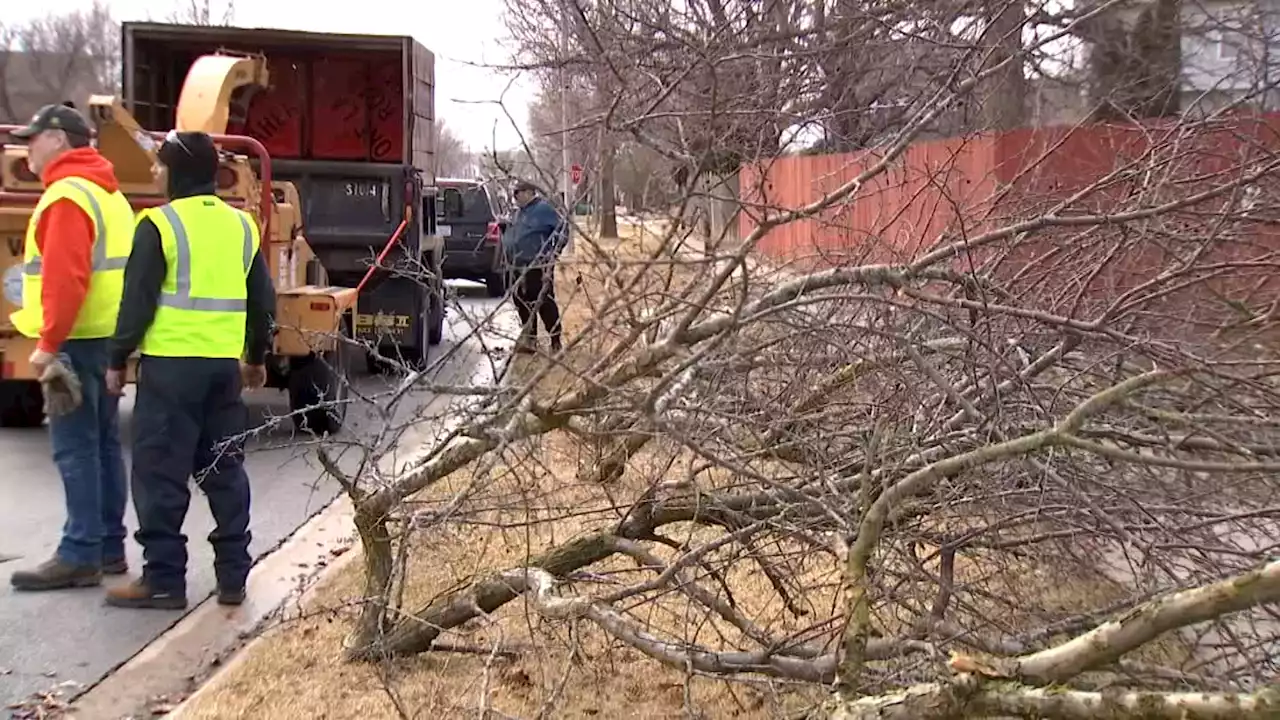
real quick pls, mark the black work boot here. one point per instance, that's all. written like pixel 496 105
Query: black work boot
pixel 231 596
pixel 556 344
pixel 138 595
pixel 55 574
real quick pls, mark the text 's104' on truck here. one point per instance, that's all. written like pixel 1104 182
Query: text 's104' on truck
pixel 348 120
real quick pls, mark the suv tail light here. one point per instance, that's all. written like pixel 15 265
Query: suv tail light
pixel 493 233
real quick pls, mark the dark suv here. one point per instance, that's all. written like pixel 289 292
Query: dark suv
pixel 471 217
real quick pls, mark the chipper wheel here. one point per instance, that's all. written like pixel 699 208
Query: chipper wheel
pixel 434 303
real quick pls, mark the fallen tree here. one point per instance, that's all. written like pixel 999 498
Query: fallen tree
pixel 1023 465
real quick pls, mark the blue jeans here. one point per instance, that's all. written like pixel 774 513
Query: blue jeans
pixel 86 449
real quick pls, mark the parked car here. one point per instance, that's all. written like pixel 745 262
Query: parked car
pixel 471 216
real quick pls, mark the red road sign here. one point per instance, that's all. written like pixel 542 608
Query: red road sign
pixel 575 173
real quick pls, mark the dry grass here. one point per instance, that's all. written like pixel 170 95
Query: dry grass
pixel 296 670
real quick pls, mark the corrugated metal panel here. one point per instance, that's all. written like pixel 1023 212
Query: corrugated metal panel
pixel 933 187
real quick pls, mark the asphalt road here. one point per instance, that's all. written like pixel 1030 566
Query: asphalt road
pixel 52 638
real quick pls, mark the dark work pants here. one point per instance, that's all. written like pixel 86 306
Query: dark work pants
pixel 534 291
pixel 188 422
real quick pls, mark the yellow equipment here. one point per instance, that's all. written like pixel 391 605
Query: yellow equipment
pixel 307 356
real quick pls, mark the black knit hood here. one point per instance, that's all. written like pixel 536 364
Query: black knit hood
pixel 192 161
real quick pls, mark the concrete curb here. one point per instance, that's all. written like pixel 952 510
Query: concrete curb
pixel 207 635
pixel 241 654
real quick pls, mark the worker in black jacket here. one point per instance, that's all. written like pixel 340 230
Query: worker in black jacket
pixel 197 298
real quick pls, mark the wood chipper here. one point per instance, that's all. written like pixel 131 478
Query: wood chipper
pixel 308 358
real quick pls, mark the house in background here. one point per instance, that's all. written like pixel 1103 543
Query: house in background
pixel 1231 53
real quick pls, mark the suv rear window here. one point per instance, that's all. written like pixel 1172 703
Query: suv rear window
pixel 468 202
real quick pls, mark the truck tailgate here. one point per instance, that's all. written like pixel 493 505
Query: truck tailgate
pixel 350 210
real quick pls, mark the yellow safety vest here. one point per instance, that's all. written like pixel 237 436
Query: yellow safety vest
pixel 208 249
pixel 112 219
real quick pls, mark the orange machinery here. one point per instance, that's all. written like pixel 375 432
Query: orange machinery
pixel 308 358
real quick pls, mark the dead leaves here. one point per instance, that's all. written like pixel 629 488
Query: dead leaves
pixel 46 704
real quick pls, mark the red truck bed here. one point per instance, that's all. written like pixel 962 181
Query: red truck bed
pixel 333 96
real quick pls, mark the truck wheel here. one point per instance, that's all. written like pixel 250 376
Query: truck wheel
pixel 318 392
pixel 495 285
pixel 21 404
pixel 435 316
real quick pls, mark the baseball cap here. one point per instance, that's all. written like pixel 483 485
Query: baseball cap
pixel 524 185
pixel 55 117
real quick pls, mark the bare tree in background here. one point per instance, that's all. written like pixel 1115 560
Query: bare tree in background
pixel 56 58
pixel 546 131
pixel 201 12
pixel 451 155
pixel 70 55
pixel 508 165
pixel 1134 58
pixel 592 143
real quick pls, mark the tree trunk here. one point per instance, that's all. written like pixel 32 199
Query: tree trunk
pixel 606 200
pixel 1003 94
pixel 1134 69
pixel 606 215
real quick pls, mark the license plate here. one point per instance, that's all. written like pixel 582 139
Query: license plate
pixel 445 230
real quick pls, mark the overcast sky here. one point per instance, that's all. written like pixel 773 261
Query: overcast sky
pixel 461 33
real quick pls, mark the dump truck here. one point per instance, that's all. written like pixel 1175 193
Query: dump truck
pixel 347 120
pixel 380 203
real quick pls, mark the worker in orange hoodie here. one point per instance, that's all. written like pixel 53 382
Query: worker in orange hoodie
pixel 76 247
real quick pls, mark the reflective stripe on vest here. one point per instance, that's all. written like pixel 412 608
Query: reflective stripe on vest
pixel 180 298
pixel 100 259
pixel 203 302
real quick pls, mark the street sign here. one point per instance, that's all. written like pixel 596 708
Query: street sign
pixel 575 173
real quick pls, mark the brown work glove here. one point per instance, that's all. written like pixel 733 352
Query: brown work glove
pixel 62 393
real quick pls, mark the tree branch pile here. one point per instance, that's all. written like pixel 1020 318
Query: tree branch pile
pixel 1021 470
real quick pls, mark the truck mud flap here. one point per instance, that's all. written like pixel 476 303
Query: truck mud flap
pixel 390 312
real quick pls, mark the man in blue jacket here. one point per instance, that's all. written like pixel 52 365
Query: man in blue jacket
pixel 531 247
